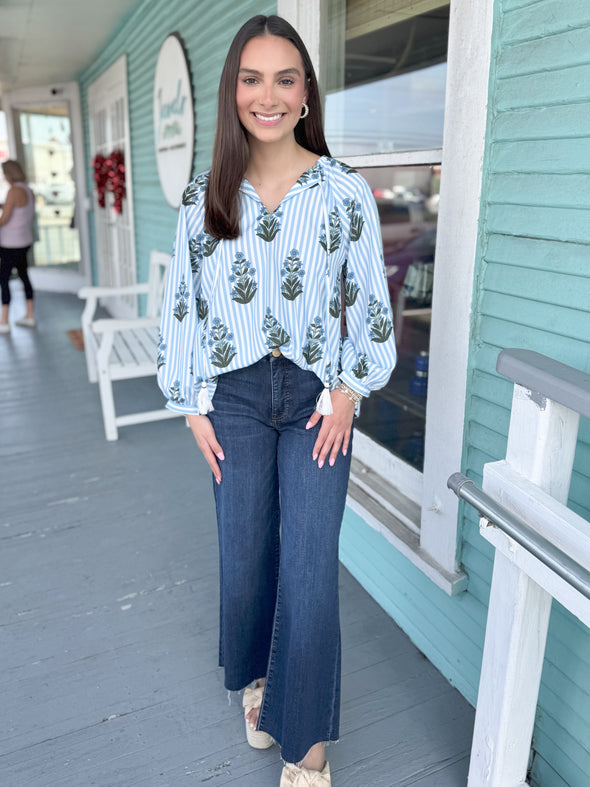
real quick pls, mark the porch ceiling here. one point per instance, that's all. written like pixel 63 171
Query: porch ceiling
pixel 45 41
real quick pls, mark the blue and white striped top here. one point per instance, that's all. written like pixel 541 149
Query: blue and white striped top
pixel 280 284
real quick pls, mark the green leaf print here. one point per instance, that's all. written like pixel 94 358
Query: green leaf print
pixel 269 225
pixel 220 342
pixel 209 244
pixel 335 301
pixel 181 305
pixel 341 166
pixel 161 359
pixel 202 308
pixel 351 288
pixel 276 335
pixel 357 221
pixel 313 349
pixel 361 368
pixel 202 245
pixel 292 273
pixel 380 325
pixel 243 279
pixel 313 175
pixel 174 393
pixel 194 190
pixel 335 234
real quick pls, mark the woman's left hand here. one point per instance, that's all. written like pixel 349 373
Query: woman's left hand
pixel 335 429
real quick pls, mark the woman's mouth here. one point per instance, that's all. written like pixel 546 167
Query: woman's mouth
pixel 268 119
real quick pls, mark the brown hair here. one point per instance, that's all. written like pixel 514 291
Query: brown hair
pixel 230 151
pixel 13 172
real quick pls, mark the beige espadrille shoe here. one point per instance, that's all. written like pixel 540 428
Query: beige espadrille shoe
pixel 251 700
pixel 294 776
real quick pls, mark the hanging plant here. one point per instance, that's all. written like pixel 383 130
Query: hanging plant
pixel 101 176
pixel 109 175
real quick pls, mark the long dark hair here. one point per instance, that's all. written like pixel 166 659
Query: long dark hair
pixel 230 152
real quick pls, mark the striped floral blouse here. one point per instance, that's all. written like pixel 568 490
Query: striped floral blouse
pixel 280 284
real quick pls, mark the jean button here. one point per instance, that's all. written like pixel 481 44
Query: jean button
pixel 276 352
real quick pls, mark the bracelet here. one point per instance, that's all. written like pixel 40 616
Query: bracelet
pixel 349 392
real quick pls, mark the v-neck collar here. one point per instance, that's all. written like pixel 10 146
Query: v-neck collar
pixel 312 176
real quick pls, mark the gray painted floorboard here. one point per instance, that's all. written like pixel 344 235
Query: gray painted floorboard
pixel 108 622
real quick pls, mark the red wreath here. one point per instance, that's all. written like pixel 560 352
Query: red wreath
pixel 109 175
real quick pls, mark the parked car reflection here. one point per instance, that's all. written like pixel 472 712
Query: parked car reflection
pixel 398 260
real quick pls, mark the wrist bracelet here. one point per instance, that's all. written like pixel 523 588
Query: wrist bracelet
pixel 349 392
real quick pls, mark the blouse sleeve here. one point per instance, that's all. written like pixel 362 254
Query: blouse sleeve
pixel 178 325
pixel 368 351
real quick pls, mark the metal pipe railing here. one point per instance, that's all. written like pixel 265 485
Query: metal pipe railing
pixel 550 555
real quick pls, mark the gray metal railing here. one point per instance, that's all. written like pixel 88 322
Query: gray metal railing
pixel 559 562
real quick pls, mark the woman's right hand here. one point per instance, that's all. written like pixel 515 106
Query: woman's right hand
pixel 202 429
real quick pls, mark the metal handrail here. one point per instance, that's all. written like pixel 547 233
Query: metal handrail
pixel 550 555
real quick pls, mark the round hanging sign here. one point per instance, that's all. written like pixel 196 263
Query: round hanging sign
pixel 174 120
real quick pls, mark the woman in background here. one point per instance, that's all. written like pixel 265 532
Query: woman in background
pixel 16 238
pixel 251 351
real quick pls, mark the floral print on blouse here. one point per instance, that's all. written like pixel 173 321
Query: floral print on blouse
pixel 283 283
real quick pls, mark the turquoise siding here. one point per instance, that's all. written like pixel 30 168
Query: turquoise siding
pixel 531 289
pixel 206 29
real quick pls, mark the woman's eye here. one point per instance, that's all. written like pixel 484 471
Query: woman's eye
pixel 287 82
pixel 249 81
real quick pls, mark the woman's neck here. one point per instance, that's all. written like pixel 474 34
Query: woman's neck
pixel 277 162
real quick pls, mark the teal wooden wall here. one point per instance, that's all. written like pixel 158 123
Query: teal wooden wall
pixel 531 289
pixel 206 29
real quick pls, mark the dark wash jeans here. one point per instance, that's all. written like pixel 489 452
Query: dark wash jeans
pixel 279 519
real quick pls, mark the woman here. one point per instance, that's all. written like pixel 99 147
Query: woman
pixel 267 241
pixel 16 237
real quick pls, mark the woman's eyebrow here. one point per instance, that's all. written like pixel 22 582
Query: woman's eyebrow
pixel 283 72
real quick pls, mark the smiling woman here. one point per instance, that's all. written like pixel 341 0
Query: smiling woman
pixel 253 352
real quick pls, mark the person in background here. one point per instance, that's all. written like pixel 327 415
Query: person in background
pixel 16 238
pixel 251 350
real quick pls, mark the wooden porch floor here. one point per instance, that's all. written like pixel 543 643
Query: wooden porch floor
pixel 108 594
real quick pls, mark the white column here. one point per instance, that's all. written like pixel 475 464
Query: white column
pixel 541 446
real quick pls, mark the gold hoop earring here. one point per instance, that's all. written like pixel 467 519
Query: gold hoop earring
pixel 305 112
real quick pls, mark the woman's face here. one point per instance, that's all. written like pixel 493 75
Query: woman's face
pixel 271 88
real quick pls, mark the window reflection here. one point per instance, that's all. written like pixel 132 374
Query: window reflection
pixel 407 200
pixel 45 139
pixel 386 73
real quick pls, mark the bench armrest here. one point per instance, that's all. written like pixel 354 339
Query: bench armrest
pixel 112 292
pixel 108 325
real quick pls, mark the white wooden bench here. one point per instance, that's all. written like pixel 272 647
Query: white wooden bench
pixel 124 349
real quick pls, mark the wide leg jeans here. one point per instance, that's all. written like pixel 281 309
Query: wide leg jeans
pixel 279 519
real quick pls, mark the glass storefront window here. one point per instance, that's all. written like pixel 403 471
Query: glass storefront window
pixel 407 201
pixel 385 75
pixel 45 138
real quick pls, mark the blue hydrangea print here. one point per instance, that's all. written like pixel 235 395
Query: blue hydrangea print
pixel 242 279
pixel 181 304
pixel 292 274
pixel 221 344
pixel 380 325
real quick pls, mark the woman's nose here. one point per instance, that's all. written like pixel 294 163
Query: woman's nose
pixel 267 97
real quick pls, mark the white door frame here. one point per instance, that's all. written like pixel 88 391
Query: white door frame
pixel 115 234
pixel 52 278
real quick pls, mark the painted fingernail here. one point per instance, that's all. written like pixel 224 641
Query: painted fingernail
pixel 321 463
pixel 332 462
pixel 344 451
pixel 314 457
pixel 308 425
pixel 220 455
pixel 218 479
